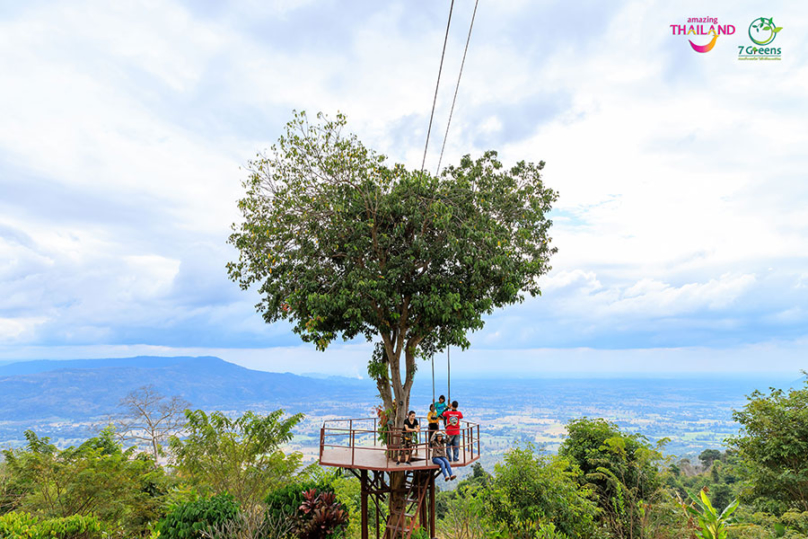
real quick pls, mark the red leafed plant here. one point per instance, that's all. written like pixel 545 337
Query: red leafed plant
pixel 320 516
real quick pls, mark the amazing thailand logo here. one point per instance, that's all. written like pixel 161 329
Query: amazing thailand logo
pixel 762 32
pixel 705 37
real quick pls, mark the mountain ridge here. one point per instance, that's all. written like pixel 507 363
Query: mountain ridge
pixel 84 389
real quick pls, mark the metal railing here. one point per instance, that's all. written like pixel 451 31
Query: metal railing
pixel 365 434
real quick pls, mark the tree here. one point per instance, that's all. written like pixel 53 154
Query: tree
pixel 238 456
pixel 622 468
pixel 340 243
pixel 151 418
pixel 773 445
pixel 708 456
pixel 96 478
pixel 530 495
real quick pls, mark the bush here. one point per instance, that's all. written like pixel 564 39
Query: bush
pixel 529 492
pixel 26 526
pixel 287 499
pixel 188 520
pixel 320 516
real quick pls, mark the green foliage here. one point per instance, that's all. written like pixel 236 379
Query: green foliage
pixel 530 492
pixel 188 520
pixel 623 469
pixel 25 526
pixel 239 456
pixel 349 493
pixel 341 243
pixel 464 513
pixel 708 456
pixel 773 446
pixel 711 523
pixel 286 500
pixel 97 478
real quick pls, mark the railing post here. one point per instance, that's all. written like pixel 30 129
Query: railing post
pixel 322 440
pixel 463 445
pixel 478 440
pixel 351 439
pixel 375 432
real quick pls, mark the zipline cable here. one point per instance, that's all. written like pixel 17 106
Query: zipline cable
pixel 449 378
pixel 437 85
pixel 457 87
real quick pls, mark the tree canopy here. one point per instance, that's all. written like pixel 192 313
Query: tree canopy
pixel 342 244
pixel 774 447
pixel 240 456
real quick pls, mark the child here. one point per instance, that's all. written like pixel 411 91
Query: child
pixel 440 406
pixel 453 418
pixel 439 456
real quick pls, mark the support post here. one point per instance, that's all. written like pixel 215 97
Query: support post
pixel 432 530
pixel 423 516
pixel 365 523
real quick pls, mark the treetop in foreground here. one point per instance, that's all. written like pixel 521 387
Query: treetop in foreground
pixel 343 244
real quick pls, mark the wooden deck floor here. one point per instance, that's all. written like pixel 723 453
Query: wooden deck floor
pixel 370 458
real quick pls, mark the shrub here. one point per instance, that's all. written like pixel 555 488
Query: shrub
pixel 188 520
pixel 287 499
pixel 320 516
pixel 253 523
pixel 26 526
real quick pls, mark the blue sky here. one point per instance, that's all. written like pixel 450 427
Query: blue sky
pixel 681 226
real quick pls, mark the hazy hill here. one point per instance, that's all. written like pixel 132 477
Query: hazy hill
pixel 77 389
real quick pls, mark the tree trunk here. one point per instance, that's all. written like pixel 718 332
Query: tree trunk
pixel 401 395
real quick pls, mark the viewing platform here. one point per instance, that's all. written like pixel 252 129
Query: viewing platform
pixel 356 444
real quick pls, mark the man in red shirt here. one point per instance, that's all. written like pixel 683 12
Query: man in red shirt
pixel 453 417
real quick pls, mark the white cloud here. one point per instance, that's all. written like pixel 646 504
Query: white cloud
pixel 681 175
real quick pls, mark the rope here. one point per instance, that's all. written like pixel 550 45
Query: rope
pixel 449 380
pixel 433 379
pixel 437 85
pixel 457 87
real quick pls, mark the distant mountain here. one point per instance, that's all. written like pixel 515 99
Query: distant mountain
pixel 79 389
pixel 45 365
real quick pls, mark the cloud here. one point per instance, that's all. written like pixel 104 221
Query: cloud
pixel 681 219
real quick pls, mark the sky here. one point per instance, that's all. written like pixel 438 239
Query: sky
pixel 681 227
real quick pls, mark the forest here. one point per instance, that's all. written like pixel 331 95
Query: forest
pixel 163 471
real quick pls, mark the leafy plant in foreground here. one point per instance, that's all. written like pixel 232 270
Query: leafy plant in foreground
pixel 320 516
pixel 25 526
pixel 712 524
pixel 189 520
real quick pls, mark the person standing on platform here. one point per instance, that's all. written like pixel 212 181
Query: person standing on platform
pixel 411 428
pixel 432 421
pixel 439 455
pixel 453 417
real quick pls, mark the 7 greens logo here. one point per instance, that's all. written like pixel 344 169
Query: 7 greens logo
pixel 762 32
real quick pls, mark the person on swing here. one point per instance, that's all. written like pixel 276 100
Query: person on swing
pixel 439 455
pixel 440 406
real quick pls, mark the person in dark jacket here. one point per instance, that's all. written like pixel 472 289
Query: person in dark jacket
pixel 439 456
